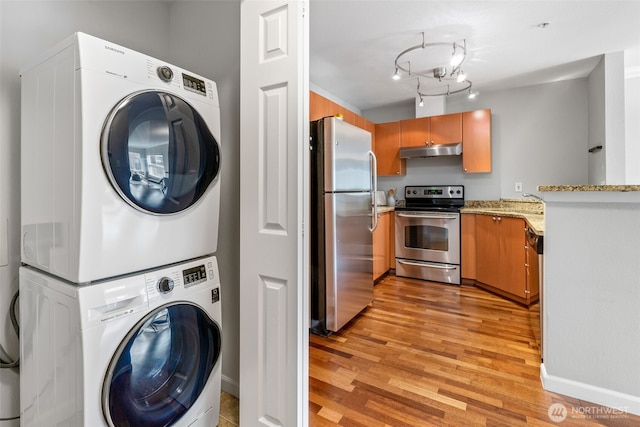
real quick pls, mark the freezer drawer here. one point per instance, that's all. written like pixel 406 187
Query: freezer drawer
pixel 348 257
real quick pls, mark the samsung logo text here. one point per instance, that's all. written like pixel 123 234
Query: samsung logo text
pixel 114 50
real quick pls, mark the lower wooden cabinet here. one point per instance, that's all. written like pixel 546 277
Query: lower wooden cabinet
pixel 500 257
pixel 533 273
pixel 392 241
pixel 383 241
pixel 468 253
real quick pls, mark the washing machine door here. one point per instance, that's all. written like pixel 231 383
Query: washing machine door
pixel 161 367
pixel 158 152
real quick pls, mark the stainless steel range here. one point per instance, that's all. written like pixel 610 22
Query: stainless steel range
pixel 428 233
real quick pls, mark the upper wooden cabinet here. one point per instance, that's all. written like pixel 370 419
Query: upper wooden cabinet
pixel 444 129
pixel 473 128
pixel 414 132
pixel 387 149
pixel 476 141
pixel 371 127
pixel 318 106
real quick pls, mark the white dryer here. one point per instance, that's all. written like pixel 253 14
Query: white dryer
pixel 142 350
pixel 120 162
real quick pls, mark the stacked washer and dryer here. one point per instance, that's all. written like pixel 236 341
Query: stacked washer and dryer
pixel 120 319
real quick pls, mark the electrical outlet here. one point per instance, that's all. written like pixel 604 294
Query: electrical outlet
pixel 518 187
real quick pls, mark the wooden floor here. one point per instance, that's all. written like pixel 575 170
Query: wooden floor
pixel 429 354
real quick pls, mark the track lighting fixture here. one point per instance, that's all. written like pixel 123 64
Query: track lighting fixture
pixel 442 81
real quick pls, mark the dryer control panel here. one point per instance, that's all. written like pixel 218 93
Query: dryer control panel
pixel 194 275
pixel 194 84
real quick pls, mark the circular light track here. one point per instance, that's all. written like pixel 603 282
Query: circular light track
pixel 443 82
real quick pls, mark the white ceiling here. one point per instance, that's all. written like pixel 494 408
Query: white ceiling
pixel 353 43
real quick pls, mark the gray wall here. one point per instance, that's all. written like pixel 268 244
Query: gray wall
pixel 632 112
pixel 539 136
pixel 597 136
pixel 632 129
pixel 205 38
pixel 202 36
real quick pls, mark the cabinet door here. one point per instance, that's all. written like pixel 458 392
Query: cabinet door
pixel 387 149
pixel 500 254
pixel 371 127
pixel 468 230
pixel 358 121
pixel 512 256
pixel 476 141
pixel 381 246
pixel 533 272
pixel 487 250
pixel 414 132
pixel 445 129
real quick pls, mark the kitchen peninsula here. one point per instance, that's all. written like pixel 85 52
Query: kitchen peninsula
pixel 592 293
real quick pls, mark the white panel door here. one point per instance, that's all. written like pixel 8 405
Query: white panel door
pixel 273 207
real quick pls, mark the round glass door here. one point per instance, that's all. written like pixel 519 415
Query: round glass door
pixel 158 152
pixel 161 367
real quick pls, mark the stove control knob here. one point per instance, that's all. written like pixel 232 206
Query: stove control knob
pixel 165 285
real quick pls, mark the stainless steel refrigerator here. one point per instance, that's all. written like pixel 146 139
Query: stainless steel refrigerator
pixel 343 217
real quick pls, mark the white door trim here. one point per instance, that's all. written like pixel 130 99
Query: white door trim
pixel 274 266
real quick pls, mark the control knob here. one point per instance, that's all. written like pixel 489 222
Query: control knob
pixel 165 285
pixel 165 73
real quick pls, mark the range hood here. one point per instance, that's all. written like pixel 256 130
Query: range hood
pixel 431 151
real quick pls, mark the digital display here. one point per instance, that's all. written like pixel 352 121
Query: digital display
pixel 194 275
pixel 432 191
pixel 194 85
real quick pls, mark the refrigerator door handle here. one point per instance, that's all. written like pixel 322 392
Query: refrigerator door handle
pixel 374 184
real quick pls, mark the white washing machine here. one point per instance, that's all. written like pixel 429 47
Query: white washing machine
pixel 142 350
pixel 120 162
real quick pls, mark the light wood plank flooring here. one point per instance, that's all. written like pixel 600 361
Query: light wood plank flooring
pixel 429 354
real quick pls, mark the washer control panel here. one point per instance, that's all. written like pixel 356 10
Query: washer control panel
pixel 179 280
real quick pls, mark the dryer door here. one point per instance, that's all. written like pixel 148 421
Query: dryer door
pixel 158 152
pixel 161 367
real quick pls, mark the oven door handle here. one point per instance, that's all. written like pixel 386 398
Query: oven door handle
pixel 427 216
pixel 426 264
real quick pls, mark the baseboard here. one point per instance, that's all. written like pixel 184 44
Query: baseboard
pixel 230 386
pixel 601 396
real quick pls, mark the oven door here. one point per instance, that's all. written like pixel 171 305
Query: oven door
pixel 428 236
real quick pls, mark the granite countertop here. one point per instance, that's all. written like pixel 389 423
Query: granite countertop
pixel 384 208
pixel 619 188
pixel 532 211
